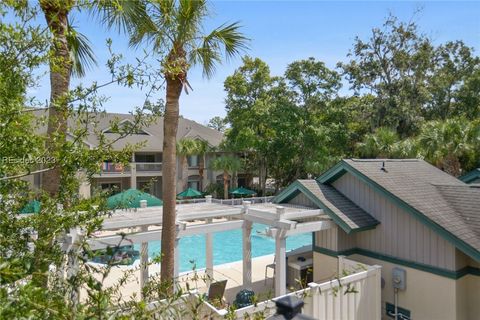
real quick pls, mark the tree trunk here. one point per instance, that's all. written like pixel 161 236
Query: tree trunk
pixel 183 167
pixel 262 176
pixel 451 165
pixel 170 126
pixel 201 171
pixel 225 184
pixel 56 14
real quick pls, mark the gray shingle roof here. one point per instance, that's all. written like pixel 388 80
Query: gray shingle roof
pixel 154 142
pixel 347 211
pixel 466 202
pixel 440 197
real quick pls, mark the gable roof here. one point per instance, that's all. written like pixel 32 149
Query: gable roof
pixel 471 176
pixel 424 191
pixel 122 124
pixel 345 213
pixel 152 142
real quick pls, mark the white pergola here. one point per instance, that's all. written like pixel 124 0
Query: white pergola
pixel 208 217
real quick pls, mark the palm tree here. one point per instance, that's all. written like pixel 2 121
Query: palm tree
pixel 186 147
pixel 175 31
pixel 229 165
pixel 202 149
pixel 56 15
pixel 380 144
pixel 70 53
pixel 444 143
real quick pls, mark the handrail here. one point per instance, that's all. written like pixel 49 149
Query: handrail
pixel 148 166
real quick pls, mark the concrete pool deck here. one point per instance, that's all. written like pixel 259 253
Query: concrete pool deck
pixel 232 272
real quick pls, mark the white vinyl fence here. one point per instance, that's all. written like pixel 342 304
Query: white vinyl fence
pixel 356 296
pixel 239 201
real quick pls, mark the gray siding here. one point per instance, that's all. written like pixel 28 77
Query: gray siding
pixel 334 239
pixel 302 200
pixel 327 239
pixel 398 234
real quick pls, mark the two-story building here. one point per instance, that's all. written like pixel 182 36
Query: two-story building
pixel 417 222
pixel 145 170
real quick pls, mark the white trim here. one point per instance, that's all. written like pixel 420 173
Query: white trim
pixel 155 235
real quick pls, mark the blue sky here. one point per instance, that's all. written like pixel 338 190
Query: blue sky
pixel 282 32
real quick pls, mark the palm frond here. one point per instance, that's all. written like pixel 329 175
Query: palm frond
pixel 81 52
pixel 121 15
pixel 225 39
pixel 230 37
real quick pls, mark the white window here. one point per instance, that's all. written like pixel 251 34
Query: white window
pixel 193 161
pixel 194 185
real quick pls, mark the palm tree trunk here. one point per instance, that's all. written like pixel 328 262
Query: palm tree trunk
pixel 56 14
pixel 451 165
pixel 183 167
pixel 170 125
pixel 201 172
pixel 225 184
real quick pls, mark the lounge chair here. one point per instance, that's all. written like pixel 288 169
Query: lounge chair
pixel 216 290
pixel 271 266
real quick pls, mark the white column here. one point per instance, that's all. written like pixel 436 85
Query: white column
pixel 208 199
pixel 176 255
pixel 133 173
pixel 280 265
pixel 144 261
pixel 209 254
pixel 247 249
pixel 180 226
pixel 143 254
pixel 76 236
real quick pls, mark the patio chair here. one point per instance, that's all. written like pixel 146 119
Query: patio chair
pixel 271 266
pixel 216 290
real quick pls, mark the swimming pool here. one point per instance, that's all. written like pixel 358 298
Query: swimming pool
pixel 227 247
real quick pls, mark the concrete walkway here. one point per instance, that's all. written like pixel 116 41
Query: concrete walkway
pixel 232 272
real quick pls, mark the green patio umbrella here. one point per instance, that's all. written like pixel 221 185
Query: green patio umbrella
pixel 189 193
pixel 31 207
pixel 131 199
pixel 241 191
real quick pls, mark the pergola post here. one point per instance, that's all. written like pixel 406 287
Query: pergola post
pixel 144 261
pixel 181 226
pixel 280 265
pixel 209 253
pixel 247 249
pixel 280 258
pixel 76 236
pixel 143 254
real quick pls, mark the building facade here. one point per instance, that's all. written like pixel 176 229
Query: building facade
pixel 144 172
pixel 406 216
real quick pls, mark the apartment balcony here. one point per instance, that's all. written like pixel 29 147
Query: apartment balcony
pixel 148 168
pixel 109 169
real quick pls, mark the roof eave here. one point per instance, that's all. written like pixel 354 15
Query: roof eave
pixel 296 187
pixel 342 167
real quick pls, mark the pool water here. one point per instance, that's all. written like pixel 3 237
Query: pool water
pixel 227 247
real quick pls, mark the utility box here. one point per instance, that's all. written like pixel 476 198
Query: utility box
pixel 399 278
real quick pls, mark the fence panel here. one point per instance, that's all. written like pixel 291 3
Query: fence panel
pixel 352 297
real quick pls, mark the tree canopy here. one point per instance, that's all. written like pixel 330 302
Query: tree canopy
pixel 406 97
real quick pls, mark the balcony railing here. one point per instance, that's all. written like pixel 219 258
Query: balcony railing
pixel 110 167
pixel 148 166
